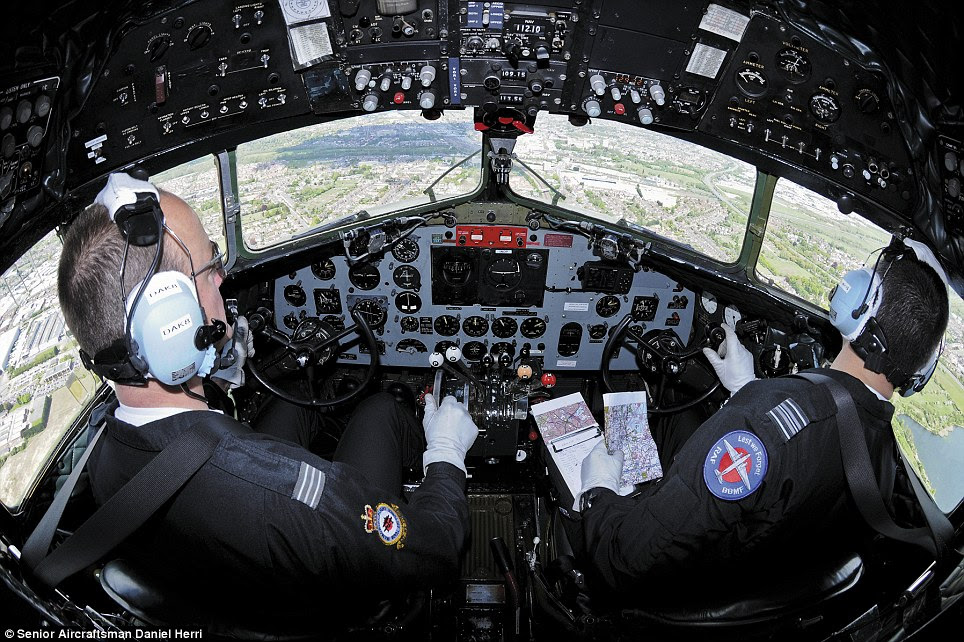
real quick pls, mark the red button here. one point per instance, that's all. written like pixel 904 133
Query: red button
pixel 399 97
pixel 549 380
pixel 619 108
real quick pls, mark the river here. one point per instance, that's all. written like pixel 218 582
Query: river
pixel 943 459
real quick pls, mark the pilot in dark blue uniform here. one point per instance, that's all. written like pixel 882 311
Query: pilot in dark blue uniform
pixel 762 479
pixel 265 524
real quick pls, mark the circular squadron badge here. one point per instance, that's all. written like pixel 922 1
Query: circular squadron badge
pixel 735 465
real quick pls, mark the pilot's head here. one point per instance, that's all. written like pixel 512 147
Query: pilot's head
pixel 91 294
pixel 900 334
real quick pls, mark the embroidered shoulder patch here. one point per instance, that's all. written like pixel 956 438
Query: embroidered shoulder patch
pixel 735 465
pixel 386 520
pixel 789 418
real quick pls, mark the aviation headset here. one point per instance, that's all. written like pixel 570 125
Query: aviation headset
pixel 166 336
pixel 854 303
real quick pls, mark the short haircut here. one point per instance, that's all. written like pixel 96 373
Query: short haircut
pixel 88 278
pixel 913 312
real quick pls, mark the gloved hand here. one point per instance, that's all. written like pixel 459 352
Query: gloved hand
pixel 243 346
pixel 602 470
pixel 734 363
pixel 449 432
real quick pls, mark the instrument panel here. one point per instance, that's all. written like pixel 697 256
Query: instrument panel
pixel 489 289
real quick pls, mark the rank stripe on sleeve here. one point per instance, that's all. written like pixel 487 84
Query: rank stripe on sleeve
pixel 310 484
pixel 789 417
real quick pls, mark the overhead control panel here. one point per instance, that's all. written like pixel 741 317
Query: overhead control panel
pixel 951 157
pixel 795 99
pixel 183 75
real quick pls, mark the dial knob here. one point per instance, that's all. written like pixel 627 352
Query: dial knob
pixel 426 100
pixel 867 101
pixel 426 75
pixel 615 93
pixel 406 83
pixel 24 110
pixel 635 97
pixel 6 119
pixel 592 108
pixel 35 135
pixel 645 115
pixel 492 82
pixel 954 187
pixel 362 78
pixel 656 91
pixel 370 103
pixel 535 86
pixel 198 36
pixel 386 82
pixel 598 84
pixel 157 47
pixel 42 105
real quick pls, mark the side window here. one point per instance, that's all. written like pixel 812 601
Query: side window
pixel 43 385
pixel 197 183
pixel 808 246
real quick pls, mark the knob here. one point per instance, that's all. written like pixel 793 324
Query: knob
pixel 386 82
pixel 8 145
pixel 867 101
pixel 406 83
pixel 645 115
pixel 592 108
pixel 362 78
pixel 615 93
pixel 535 86
pixel 598 84
pixel 492 82
pixel 157 47
pixel 658 94
pixel 41 106
pixel 474 44
pixel 35 135
pixel 426 75
pixel 426 100
pixel 505 359
pixel 512 51
pixel 542 56
pixel 370 103
pixel 548 380
pixel 199 36
pixel 6 119
pixel 950 158
pixel 635 97
pixel 24 110
pixel 848 170
pixel 453 353
pixel 435 359
pixel 524 372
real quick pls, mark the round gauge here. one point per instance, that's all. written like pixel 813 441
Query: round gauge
pixel 407 277
pixel 731 315
pixel 824 107
pixel 290 321
pixel 408 303
pixel 364 276
pixel 533 328
pixel 373 313
pixel 409 324
pixel 794 65
pixel 504 327
pixel 709 303
pixel 503 348
pixel 473 350
pixel 475 326
pixel 597 331
pixel 607 306
pixel 337 323
pixel 751 82
pixel 504 274
pixel 324 269
pixel 446 325
pixel 405 251
pixel 295 295
pixel 327 301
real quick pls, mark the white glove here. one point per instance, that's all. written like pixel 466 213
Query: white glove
pixel 449 432
pixel 243 346
pixel 734 363
pixel 602 470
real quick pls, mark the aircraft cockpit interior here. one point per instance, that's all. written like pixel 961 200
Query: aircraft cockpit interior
pixel 507 203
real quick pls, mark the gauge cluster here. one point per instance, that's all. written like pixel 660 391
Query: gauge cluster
pixel 488 289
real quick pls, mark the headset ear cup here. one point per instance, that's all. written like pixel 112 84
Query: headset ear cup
pixel 858 291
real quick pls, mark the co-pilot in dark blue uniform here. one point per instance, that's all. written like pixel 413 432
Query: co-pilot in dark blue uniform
pixel 273 528
pixel 704 521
